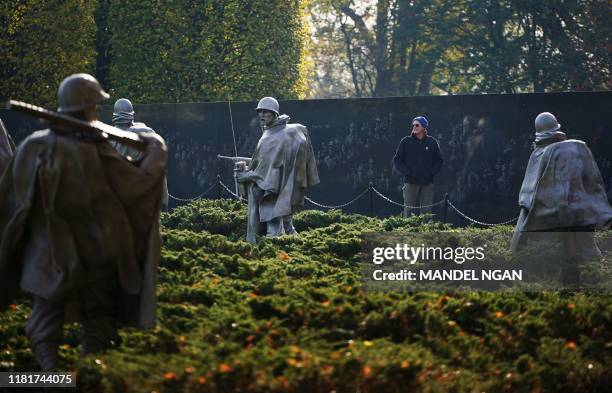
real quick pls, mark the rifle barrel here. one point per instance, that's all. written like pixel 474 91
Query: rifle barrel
pixel 235 159
pixel 113 133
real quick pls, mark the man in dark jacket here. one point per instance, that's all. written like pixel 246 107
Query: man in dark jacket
pixel 418 159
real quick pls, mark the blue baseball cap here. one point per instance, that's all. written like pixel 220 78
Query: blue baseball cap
pixel 422 120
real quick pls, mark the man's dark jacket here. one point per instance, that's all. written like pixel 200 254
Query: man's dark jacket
pixel 418 160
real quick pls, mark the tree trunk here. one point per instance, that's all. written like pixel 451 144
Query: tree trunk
pixel 349 55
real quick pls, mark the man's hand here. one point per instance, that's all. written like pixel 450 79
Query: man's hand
pixel 243 177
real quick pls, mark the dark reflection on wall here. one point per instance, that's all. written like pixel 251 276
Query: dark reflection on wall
pixel 485 140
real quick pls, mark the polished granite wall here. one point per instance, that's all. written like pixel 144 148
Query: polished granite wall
pixel 485 141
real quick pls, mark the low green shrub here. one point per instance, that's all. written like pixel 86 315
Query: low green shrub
pixel 290 315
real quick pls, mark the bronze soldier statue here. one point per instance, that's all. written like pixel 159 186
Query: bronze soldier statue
pixel 123 118
pixel 79 228
pixel 562 191
pixel 282 168
pixel 7 147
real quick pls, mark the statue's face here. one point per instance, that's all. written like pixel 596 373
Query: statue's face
pixel 266 118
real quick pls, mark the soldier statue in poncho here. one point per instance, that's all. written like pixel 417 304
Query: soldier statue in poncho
pixel 282 168
pixel 562 191
pixel 7 147
pixel 79 227
pixel 123 118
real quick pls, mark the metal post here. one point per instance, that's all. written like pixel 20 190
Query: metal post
pixel 218 187
pixel 445 207
pixel 371 199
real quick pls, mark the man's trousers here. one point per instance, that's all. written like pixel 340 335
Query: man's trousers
pixel 417 195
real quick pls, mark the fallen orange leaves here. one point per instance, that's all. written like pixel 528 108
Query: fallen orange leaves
pixel 441 300
pixel 284 382
pixel 283 256
pixel 327 370
pixel 335 355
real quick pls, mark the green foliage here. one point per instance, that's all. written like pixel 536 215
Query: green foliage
pixel 154 51
pixel 421 47
pixel 41 43
pixel 206 50
pixel 221 216
pixel 290 314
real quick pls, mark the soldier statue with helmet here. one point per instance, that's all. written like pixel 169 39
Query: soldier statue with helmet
pixel 562 191
pixel 282 168
pixel 123 118
pixel 79 228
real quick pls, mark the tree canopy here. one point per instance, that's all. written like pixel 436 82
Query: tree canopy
pixel 206 50
pixel 418 47
pixel 155 51
pixel 43 41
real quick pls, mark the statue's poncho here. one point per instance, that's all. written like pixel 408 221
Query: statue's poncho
pixel 283 166
pixel 71 207
pixel 126 122
pixel 7 148
pixel 562 188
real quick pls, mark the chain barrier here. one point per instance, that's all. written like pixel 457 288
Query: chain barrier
pixel 233 194
pixel 479 222
pixel 192 199
pixel 402 205
pixel 338 206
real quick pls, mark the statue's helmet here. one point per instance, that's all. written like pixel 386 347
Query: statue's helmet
pixel 123 105
pixel 546 122
pixel 78 92
pixel 268 103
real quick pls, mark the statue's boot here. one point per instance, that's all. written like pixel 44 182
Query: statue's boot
pixel 46 354
pixel 275 227
pixel 288 225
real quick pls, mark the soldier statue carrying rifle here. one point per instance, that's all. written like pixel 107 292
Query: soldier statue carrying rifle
pixel 276 178
pixel 79 224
